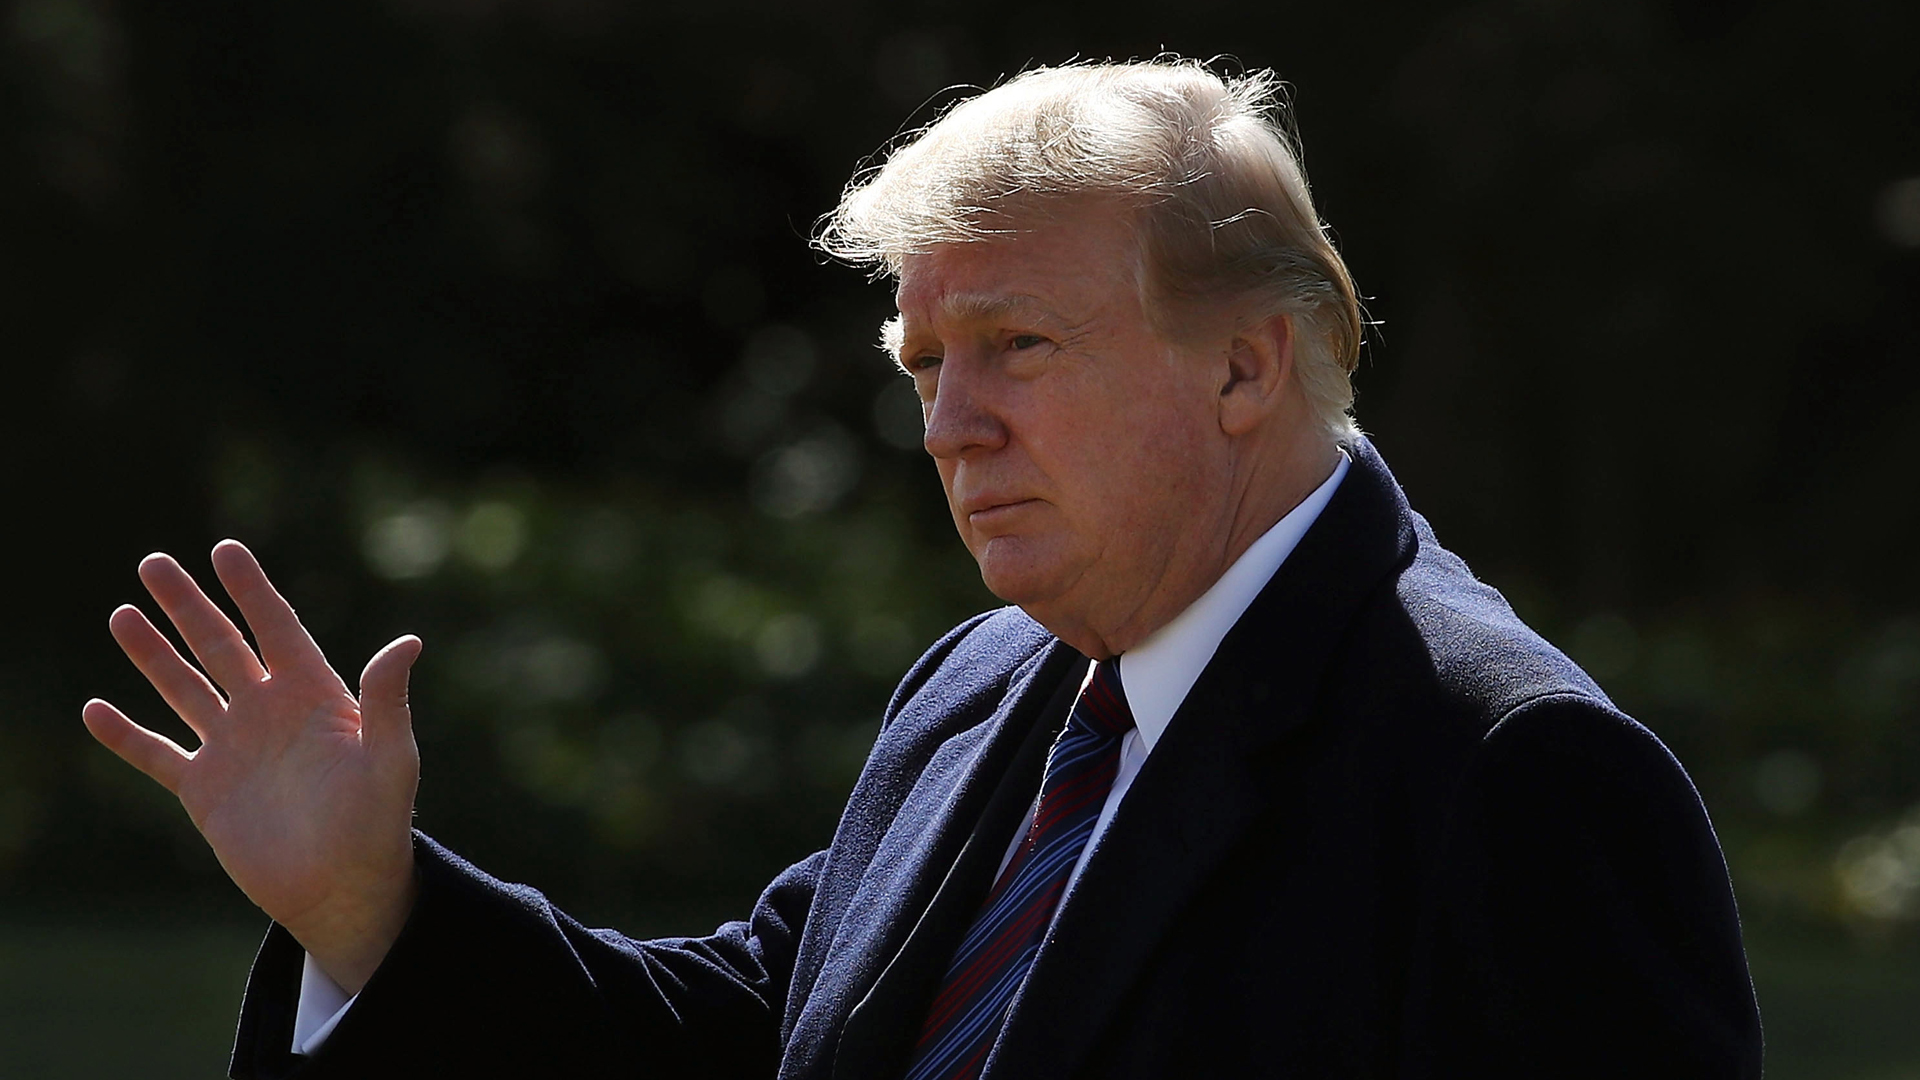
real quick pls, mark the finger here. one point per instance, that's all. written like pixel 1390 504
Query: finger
pixel 383 690
pixel 276 629
pixel 206 629
pixel 180 683
pixel 156 755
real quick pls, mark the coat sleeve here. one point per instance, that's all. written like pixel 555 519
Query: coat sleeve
pixel 1584 924
pixel 490 979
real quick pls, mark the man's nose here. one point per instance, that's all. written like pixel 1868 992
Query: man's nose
pixel 962 418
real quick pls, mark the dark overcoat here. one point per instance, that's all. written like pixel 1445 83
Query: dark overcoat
pixel 1391 832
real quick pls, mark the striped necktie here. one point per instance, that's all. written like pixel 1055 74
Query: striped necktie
pixel 999 947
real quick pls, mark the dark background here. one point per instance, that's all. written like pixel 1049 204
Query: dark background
pixel 494 321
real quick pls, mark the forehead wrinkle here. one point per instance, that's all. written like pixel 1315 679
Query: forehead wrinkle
pixel 980 306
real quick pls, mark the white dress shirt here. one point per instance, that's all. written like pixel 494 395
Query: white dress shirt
pixel 1156 675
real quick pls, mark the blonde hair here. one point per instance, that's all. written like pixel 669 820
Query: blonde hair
pixel 1212 177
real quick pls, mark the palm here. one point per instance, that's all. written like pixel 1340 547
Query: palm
pixel 288 792
pixel 304 792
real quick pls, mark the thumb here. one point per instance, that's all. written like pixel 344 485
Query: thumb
pixel 383 690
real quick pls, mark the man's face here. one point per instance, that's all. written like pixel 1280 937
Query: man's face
pixel 1082 453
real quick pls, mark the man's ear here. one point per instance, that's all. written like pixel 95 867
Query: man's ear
pixel 1259 367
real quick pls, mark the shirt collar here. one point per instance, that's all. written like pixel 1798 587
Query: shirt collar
pixel 1158 672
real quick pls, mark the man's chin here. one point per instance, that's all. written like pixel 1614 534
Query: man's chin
pixel 1013 571
pixel 1038 587
pixel 1013 588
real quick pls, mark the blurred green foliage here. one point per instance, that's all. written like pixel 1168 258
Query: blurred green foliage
pixel 494 322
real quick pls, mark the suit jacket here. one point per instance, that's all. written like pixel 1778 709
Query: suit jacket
pixel 1390 833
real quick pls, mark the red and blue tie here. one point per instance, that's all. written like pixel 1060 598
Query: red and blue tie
pixel 999 947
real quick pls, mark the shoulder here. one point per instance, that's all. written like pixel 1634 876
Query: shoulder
pixel 1511 723
pixel 1477 642
pixel 1440 675
pixel 1449 645
pixel 1415 636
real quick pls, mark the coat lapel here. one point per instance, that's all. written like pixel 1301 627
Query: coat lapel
pixel 1204 784
pixel 880 1034
pixel 928 872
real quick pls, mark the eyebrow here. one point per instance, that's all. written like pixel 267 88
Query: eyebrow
pixel 972 307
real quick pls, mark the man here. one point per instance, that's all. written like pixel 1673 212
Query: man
pixel 1320 806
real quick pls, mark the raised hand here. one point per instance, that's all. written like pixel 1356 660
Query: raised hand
pixel 304 792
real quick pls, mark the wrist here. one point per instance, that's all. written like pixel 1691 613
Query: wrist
pixel 350 944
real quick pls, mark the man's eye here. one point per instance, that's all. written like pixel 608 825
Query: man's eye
pixel 1026 341
pixel 921 363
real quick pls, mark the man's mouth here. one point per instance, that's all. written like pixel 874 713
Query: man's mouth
pixel 987 512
